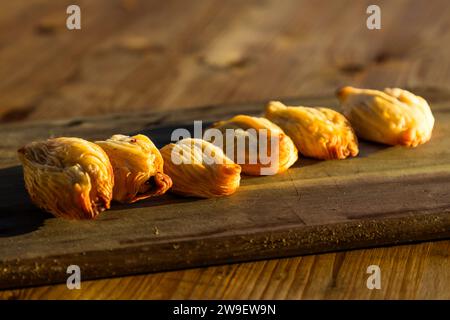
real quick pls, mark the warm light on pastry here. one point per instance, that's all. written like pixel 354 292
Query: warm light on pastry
pixel 200 169
pixel 319 133
pixel 138 168
pixel 393 116
pixel 285 153
pixel 68 177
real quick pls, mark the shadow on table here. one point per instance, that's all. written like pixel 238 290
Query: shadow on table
pixel 163 200
pixel 366 149
pixel 17 214
pixel 161 136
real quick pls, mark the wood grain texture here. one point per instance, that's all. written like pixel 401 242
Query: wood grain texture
pixel 149 55
pixel 157 55
pixel 386 195
pixel 419 271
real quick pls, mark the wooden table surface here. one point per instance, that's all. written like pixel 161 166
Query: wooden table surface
pixel 136 55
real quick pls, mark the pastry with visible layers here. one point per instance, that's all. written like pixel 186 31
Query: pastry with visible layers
pixel 200 169
pixel 319 133
pixel 392 116
pixel 258 159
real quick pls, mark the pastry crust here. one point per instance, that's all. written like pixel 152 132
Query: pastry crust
pixel 286 150
pixel 138 168
pixel 320 133
pixel 393 116
pixel 68 177
pixel 200 169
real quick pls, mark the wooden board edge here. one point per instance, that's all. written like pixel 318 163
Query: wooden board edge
pixel 189 253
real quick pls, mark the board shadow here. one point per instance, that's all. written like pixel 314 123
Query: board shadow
pixel 163 200
pixel 17 214
pixel 367 148
pixel 161 135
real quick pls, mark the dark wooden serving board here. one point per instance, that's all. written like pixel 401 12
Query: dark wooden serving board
pixel 387 195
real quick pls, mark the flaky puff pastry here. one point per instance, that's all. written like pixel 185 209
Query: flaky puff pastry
pixel 68 177
pixel 200 169
pixel 319 133
pixel 393 116
pixel 286 153
pixel 138 168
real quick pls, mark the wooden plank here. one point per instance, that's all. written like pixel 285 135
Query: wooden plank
pixel 418 271
pixel 216 52
pixel 387 195
pixel 305 48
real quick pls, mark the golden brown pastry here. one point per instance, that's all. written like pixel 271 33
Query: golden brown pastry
pixel 200 169
pixel 393 116
pixel 68 177
pixel 319 133
pixel 138 168
pixel 286 152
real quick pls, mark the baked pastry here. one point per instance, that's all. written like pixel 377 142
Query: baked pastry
pixel 257 158
pixel 320 133
pixel 200 169
pixel 392 116
pixel 68 177
pixel 138 168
